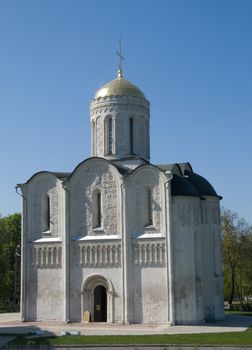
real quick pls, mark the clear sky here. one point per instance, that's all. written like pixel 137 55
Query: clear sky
pixel 191 58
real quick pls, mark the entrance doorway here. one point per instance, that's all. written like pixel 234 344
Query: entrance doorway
pixel 100 304
pixel 97 295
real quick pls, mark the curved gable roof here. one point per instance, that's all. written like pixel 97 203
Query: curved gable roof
pixel 201 184
pixel 59 175
pixel 186 182
pixel 181 186
pixel 91 159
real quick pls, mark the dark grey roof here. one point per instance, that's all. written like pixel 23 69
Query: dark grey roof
pixel 61 176
pixel 186 182
pixel 181 186
pixel 122 170
pixel 201 184
pixel 174 168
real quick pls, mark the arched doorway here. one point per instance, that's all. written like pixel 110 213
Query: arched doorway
pixel 97 298
pixel 100 304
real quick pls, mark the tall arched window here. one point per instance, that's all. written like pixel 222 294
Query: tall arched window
pixel 110 136
pixel 47 213
pixel 96 209
pixel 131 135
pixel 150 212
pixel 109 139
pixel 94 138
pixel 148 207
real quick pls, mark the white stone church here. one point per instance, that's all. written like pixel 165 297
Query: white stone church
pixel 126 240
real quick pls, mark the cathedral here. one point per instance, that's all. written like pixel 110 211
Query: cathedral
pixel 120 239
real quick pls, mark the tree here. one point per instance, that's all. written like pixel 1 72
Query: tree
pixel 10 240
pixel 237 258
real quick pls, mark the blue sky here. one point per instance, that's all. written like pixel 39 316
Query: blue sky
pixel 191 58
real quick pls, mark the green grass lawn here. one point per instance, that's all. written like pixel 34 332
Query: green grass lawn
pixel 231 338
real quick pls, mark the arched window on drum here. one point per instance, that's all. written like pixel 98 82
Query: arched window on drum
pixel 109 139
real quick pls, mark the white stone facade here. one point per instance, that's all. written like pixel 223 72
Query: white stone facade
pixel 126 240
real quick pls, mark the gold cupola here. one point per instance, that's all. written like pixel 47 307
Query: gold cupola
pixel 119 87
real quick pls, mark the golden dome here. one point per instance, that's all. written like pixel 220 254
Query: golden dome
pixel 119 86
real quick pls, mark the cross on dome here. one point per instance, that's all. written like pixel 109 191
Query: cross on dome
pixel 120 59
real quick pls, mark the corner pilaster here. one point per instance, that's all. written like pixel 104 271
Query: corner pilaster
pixel 169 249
pixel 24 227
pixel 66 252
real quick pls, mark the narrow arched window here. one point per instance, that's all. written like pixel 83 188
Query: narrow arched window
pixel 110 136
pixel 97 209
pixel 150 216
pixel 47 213
pixel 131 135
pixel 94 138
pixel 148 207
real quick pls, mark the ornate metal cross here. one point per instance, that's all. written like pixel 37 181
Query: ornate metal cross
pixel 120 58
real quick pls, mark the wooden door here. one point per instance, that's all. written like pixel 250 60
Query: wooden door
pixel 100 304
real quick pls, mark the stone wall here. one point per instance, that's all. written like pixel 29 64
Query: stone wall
pixel 144 180
pixel 41 185
pixel 94 175
pixel 42 282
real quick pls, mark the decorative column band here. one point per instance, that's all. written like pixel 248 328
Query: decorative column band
pixel 46 256
pixel 97 255
pixel 149 253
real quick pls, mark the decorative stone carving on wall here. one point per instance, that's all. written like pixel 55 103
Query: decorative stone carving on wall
pixel 122 101
pixel 149 253
pixel 44 185
pixel 100 255
pixel 106 183
pixel 47 256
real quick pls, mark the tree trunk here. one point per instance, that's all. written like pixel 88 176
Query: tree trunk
pixel 231 297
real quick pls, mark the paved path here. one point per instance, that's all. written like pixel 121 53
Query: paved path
pixel 10 323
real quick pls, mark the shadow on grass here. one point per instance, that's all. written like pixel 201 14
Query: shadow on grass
pixel 23 331
pixel 239 320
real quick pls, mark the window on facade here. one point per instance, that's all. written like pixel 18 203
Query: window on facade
pixel 96 209
pixel 47 213
pixel 131 136
pixel 148 208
